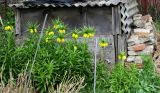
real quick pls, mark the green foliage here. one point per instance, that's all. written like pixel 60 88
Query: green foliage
pixel 147 77
pixel 128 80
pixel 153 11
pixel 53 61
pixel 60 56
pixel 157 24
pixel 123 80
pixel 6 52
pixel 102 78
pixel 7 15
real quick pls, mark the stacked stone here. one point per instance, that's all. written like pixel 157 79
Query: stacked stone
pixel 142 40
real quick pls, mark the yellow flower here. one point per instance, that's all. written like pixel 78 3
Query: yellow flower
pixel 75 36
pixel 85 35
pixel 62 31
pixel 60 40
pixel 8 28
pixel 50 33
pixel 31 30
pixel 91 35
pixel 103 44
pixel 56 26
pixel 122 57
pixel 75 47
pixel 35 30
pixel 47 40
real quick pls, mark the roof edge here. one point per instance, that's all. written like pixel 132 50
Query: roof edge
pixel 78 4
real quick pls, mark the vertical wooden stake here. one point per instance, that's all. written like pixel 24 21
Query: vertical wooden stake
pixel 18 38
pixel 95 65
pixel 1 21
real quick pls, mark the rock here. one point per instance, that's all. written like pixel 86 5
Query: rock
pixel 144 40
pixel 131 43
pixel 130 58
pixel 148 50
pixel 150 19
pixel 141 30
pixel 137 17
pixel 139 47
pixel 138 59
pixel 150 43
pixel 132 53
pixel 139 23
pixel 133 40
pixel 151 35
pixel 142 34
pixel 148 25
pixel 130 48
pixel 146 18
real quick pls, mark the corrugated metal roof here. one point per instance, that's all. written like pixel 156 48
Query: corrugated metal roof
pixel 79 4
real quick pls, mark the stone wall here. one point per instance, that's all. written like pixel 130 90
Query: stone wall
pixel 142 40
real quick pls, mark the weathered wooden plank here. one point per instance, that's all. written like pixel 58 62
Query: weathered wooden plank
pixel 106 54
pixel 101 19
pixel 117 20
pixel 18 22
pixel 18 27
pixel 122 44
pixel 73 17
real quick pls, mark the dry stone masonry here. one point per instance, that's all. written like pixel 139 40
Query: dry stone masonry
pixel 142 40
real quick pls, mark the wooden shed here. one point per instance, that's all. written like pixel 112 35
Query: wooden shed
pixel 111 18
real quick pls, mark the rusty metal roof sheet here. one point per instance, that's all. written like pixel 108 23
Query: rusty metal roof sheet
pixel 79 4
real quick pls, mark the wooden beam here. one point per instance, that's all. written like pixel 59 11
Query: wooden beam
pixel 18 27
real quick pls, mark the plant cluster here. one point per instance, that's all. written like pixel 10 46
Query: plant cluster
pixel 57 56
pixel 128 80
pixel 60 54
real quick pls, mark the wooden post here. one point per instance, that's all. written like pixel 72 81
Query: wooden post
pixel 18 27
pixel 114 33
